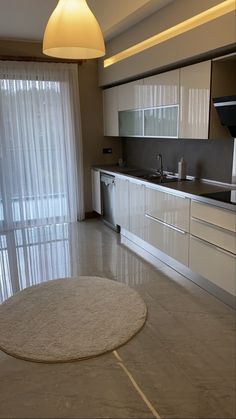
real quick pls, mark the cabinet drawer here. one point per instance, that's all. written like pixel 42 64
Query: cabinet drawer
pixel 214 215
pixel 214 264
pixel 220 237
pixel 122 202
pixel 169 240
pixel 136 210
pixel 168 208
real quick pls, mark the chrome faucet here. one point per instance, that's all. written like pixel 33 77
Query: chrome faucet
pixel 160 170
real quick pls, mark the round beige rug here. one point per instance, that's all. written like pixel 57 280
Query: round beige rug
pixel 70 319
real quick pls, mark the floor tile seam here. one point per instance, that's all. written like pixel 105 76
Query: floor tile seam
pixel 176 362
pixel 138 389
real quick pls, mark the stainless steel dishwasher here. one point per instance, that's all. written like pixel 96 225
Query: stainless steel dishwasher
pixel 108 200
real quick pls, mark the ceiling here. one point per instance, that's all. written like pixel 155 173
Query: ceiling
pixel 26 19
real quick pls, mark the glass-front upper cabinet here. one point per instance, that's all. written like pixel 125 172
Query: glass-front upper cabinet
pixel 131 123
pixel 161 121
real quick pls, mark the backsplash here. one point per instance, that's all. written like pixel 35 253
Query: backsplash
pixel 207 159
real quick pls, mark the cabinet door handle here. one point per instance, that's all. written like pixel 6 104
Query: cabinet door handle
pixel 165 224
pixel 209 224
pixel 219 249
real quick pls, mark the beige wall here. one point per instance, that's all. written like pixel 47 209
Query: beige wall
pixel 92 126
pixel 91 111
pixel 219 33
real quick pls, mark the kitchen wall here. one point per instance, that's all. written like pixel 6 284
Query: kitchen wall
pixel 92 127
pixel 91 110
pixel 208 159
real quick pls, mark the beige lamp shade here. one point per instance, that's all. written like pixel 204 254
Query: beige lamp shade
pixel 73 32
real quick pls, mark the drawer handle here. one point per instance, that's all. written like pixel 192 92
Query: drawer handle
pixel 160 186
pixel 165 224
pixel 219 249
pixel 207 223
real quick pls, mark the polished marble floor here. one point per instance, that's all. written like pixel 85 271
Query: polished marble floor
pixel 181 364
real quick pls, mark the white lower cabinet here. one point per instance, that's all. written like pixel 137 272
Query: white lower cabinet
pixel 122 202
pixel 137 209
pixel 168 239
pixel 169 208
pixel 96 191
pixel 203 240
pixel 213 244
pixel 167 223
pixel 218 236
pixel 213 263
pixel 219 217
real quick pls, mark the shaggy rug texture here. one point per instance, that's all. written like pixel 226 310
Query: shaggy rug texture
pixel 69 319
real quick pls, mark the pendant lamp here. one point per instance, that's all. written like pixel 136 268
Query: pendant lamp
pixel 73 32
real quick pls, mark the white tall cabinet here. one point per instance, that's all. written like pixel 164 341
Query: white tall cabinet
pixel 195 83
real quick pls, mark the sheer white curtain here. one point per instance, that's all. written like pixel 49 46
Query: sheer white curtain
pixel 41 173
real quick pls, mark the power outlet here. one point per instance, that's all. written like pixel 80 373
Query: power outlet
pixel 107 150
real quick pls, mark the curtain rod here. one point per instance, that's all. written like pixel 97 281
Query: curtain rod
pixel 39 59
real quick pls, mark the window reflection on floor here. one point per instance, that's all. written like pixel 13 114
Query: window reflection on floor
pixel 5 276
pixel 33 255
pixel 29 256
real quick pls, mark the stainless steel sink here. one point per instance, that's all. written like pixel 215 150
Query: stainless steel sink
pixel 164 179
pixel 157 178
pixel 153 177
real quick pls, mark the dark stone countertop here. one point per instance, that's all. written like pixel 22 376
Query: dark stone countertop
pixel 192 188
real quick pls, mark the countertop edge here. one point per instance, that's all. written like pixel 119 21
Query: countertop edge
pixel 170 188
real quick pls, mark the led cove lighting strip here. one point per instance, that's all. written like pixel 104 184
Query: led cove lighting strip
pixel 219 10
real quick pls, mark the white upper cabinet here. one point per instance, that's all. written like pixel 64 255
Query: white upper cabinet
pixel 130 95
pixel 161 89
pixel 110 112
pixel 168 105
pixel 195 100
